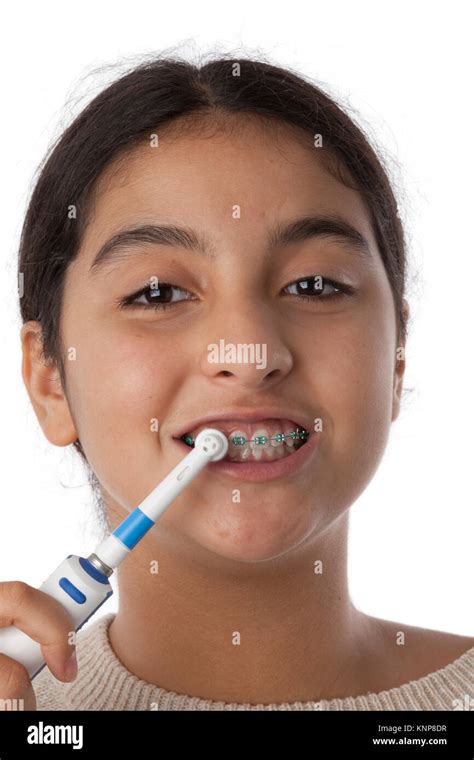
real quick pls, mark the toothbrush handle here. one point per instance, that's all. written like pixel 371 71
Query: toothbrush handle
pixel 80 588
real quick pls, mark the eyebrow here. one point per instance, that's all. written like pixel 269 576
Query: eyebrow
pixel 282 234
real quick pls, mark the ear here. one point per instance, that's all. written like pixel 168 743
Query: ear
pixel 44 387
pixel 399 369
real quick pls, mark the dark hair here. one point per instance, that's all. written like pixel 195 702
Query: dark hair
pixel 150 96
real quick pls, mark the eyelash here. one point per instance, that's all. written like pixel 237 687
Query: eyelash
pixel 343 292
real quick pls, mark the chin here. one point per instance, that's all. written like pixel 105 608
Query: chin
pixel 261 538
pixel 247 554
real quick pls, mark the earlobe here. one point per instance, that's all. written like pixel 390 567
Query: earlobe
pixel 43 384
pixel 399 369
pixel 398 381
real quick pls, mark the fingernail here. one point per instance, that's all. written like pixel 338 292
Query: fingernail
pixel 71 666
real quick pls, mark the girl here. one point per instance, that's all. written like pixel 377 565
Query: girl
pixel 187 207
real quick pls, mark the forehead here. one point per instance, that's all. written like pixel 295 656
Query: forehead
pixel 269 171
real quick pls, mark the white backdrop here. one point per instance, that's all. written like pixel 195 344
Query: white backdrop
pixel 406 72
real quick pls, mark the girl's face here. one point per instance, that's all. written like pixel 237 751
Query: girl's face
pixel 137 375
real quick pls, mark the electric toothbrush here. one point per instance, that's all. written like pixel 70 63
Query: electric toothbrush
pixel 81 585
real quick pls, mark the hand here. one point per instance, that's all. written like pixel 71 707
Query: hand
pixel 46 621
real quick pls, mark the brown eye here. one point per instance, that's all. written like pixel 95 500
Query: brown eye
pixel 313 288
pixel 159 297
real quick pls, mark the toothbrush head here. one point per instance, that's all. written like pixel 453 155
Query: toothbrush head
pixel 213 442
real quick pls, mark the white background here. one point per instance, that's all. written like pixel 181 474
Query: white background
pixel 405 70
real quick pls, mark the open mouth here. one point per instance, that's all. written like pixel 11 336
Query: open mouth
pixel 263 441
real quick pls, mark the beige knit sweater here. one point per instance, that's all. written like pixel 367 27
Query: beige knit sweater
pixel 103 683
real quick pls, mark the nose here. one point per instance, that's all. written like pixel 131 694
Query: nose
pixel 248 350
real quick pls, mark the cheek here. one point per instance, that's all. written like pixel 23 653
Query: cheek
pixel 126 367
pixel 121 386
pixel 359 360
pixel 359 377
pixel 355 386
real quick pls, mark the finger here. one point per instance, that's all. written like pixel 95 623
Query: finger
pixel 44 620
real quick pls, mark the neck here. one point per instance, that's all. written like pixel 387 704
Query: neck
pixel 258 632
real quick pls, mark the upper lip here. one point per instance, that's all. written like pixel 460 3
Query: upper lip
pixel 246 415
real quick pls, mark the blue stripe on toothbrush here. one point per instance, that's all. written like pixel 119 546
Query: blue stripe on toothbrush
pixel 133 528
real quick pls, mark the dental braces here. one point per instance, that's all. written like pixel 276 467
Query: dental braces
pixel 259 439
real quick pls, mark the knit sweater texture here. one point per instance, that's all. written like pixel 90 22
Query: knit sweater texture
pixel 104 683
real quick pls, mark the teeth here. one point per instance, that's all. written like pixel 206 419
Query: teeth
pixel 275 440
pixel 238 451
pixel 257 448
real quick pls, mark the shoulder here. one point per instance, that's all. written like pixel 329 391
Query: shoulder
pixel 434 645
pixel 416 652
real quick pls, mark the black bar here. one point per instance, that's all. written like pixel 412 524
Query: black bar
pixel 316 734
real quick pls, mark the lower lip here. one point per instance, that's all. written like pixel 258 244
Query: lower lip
pixel 257 472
